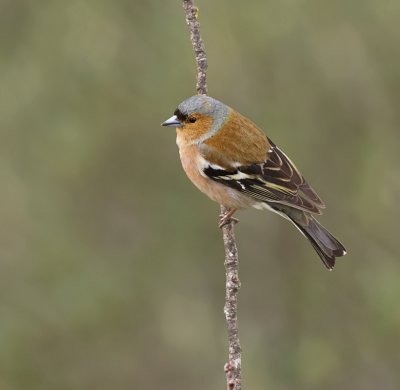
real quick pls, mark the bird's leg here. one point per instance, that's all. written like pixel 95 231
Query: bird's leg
pixel 227 218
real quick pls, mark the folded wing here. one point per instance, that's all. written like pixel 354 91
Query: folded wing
pixel 275 180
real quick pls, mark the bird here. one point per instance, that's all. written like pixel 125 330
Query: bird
pixel 231 160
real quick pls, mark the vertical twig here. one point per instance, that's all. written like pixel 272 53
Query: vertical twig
pixel 192 13
pixel 233 367
pixel 232 286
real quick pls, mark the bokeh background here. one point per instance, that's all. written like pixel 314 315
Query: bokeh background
pixel 111 262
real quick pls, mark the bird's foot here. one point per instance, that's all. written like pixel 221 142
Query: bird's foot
pixel 224 219
pixel 230 376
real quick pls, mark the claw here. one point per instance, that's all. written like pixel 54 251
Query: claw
pixel 224 219
pixel 228 367
pixel 230 380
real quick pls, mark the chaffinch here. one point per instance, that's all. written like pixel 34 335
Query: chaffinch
pixel 230 159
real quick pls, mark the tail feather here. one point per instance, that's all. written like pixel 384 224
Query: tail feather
pixel 327 246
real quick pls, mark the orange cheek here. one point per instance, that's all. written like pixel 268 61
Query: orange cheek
pixel 193 131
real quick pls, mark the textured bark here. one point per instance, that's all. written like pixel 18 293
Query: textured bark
pixel 233 367
pixel 232 286
pixel 192 13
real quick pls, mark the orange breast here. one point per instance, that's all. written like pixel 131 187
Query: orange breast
pixel 192 163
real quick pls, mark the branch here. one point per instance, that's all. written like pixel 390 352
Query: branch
pixel 234 366
pixel 192 13
pixel 232 286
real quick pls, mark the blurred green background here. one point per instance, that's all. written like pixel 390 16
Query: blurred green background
pixel 111 270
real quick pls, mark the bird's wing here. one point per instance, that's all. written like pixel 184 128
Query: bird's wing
pixel 275 180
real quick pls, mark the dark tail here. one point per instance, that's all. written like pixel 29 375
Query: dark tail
pixel 327 246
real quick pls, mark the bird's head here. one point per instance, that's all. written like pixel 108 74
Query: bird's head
pixel 199 118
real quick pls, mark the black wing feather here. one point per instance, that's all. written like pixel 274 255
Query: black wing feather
pixel 276 180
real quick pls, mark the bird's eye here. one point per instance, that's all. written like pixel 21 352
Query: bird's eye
pixel 192 119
